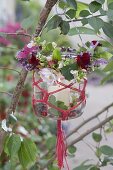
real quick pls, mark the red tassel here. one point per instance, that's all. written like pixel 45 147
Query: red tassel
pixel 61 146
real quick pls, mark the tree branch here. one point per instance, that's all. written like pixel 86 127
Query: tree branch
pixel 9 94
pixel 88 120
pixel 17 33
pixel 6 68
pixel 19 87
pixel 90 130
pixel 23 74
pixel 77 20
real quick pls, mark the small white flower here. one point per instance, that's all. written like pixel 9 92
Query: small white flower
pixel 54 44
pixel 31 44
pixel 4 126
pixel 84 70
pixel 49 58
pixel 48 76
pixel 74 72
pixel 60 64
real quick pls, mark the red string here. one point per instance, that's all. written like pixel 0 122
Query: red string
pixel 64 113
pixel 61 146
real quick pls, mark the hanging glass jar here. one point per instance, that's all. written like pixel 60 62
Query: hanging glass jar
pixel 56 97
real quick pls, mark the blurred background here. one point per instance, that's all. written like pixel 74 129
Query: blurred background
pixel 12 14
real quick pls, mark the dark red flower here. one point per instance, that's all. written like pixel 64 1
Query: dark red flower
pixel 94 42
pixel 33 60
pixel 83 60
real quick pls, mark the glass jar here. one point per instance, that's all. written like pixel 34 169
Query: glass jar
pixel 57 98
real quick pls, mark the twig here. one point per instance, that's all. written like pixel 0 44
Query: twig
pixel 6 68
pixel 88 120
pixel 77 20
pixel 16 33
pixel 9 94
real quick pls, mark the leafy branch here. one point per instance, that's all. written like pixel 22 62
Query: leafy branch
pixel 19 87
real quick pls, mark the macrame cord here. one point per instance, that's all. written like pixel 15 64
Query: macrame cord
pixel 61 140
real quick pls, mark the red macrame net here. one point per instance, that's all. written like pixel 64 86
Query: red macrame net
pixel 65 114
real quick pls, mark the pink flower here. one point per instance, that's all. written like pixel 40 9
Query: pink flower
pixel 26 51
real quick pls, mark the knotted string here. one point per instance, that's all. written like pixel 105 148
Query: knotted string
pixel 61 146
pixel 61 139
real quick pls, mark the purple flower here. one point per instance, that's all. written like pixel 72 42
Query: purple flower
pixel 26 51
pixel 99 62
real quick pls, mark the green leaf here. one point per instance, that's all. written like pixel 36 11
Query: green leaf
pixel 47 49
pixel 84 13
pixel 56 54
pixel 107 78
pixel 13 145
pixel 110 14
pixel 52 167
pixel 72 3
pixel 109 67
pixel 94 168
pixel 100 1
pixel 61 105
pixel 72 149
pixel 106 150
pixel 94 6
pixel 62 4
pixel 106 44
pixel 102 12
pixel 110 6
pixel 52 99
pixel 50 142
pixel 53 111
pixel 109 1
pixel 83 167
pixel 106 55
pixel 71 13
pixel 96 23
pixel 66 71
pixel 98 153
pixel 65 27
pixel 81 6
pixel 5 144
pixel 84 21
pixel 28 22
pixel 81 30
pixel 97 137
pixel 27 153
pixel 54 22
pixel 108 30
